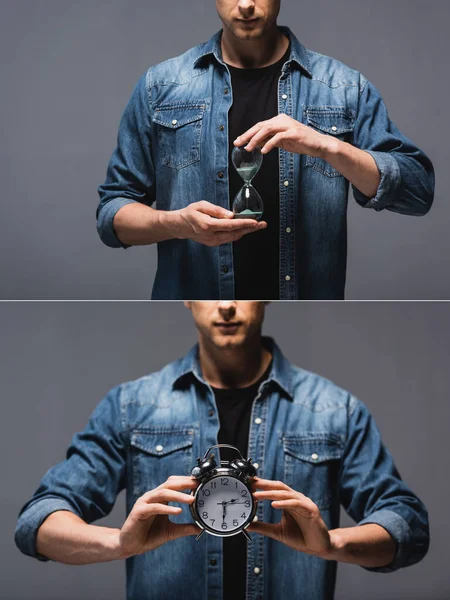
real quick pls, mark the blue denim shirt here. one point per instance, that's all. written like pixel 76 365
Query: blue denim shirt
pixel 173 150
pixel 305 431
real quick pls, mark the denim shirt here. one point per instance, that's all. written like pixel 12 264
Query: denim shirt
pixel 173 150
pixel 305 431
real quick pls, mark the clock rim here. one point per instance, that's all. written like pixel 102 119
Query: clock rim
pixel 220 472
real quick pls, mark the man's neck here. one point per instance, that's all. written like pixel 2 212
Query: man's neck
pixel 236 367
pixel 253 54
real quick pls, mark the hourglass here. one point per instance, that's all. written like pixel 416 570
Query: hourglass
pixel 247 203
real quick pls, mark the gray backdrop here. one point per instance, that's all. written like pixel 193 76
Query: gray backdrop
pixel 67 71
pixel 58 360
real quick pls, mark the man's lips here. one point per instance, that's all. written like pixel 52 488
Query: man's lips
pixel 228 325
pixel 253 20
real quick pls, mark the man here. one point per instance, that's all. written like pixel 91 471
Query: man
pixel 321 125
pixel 314 445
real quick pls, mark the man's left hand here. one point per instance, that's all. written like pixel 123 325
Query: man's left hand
pixel 284 132
pixel 301 526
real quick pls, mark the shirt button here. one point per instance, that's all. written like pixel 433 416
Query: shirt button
pixel 286 183
pixel 211 413
pixel 220 175
pixel 225 270
pixel 334 128
pixel 174 122
pixel 284 96
pixel 258 421
pixel 226 91
pixel 256 570
pixel 314 456
pixel 213 562
pixel 288 230
pixel 256 465
pixel 159 448
pixel 288 277
pixel 221 128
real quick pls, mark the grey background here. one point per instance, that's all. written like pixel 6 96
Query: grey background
pixel 57 360
pixel 67 71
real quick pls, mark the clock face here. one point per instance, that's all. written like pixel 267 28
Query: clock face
pixel 224 504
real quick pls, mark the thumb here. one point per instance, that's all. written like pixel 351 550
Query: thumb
pixel 214 211
pixel 270 530
pixel 178 530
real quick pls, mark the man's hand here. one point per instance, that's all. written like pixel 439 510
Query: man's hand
pixel 284 132
pixel 148 526
pixel 301 526
pixel 212 225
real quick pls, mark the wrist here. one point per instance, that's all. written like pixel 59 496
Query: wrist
pixel 170 224
pixel 337 546
pixel 331 148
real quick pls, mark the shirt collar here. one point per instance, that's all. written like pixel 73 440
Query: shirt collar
pixel 280 372
pixel 298 54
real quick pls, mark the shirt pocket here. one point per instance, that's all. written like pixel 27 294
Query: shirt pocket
pixel 158 453
pixel 311 466
pixel 335 121
pixel 179 129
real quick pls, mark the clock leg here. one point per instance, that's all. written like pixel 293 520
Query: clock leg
pixel 200 534
pixel 246 535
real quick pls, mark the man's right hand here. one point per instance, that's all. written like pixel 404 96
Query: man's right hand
pixel 212 225
pixel 148 526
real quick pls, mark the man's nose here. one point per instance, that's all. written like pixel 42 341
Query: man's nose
pixel 227 308
pixel 246 5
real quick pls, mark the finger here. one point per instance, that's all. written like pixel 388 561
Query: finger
pixel 231 225
pixel 268 529
pixel 274 495
pixel 145 511
pixel 180 482
pixel 307 510
pixel 273 142
pixel 260 138
pixel 247 135
pixel 213 210
pixel 268 484
pixel 178 530
pixel 166 495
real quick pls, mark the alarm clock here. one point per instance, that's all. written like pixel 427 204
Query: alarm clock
pixel 224 504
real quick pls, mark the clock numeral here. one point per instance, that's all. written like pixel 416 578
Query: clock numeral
pixel 235 523
pixel 201 503
pixel 224 481
pixel 236 484
pixel 205 515
pixel 212 521
pixel 243 516
pixel 206 492
pixel 213 484
pixel 247 503
pixel 224 526
pixel 244 493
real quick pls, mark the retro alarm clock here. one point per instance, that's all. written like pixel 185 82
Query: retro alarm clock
pixel 224 504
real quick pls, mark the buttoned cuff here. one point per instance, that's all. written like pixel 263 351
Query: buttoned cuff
pixel 401 532
pixel 30 521
pixel 389 183
pixel 105 220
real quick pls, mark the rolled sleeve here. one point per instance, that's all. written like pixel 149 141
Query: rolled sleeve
pixel 389 185
pixel 410 548
pixel 105 222
pixel 31 519
pixel 372 490
pixel 130 175
pixel 88 481
pixel 407 174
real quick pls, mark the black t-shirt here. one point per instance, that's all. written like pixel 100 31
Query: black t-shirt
pixel 235 407
pixel 256 256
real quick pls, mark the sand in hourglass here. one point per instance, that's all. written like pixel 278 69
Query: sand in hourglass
pixel 247 173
